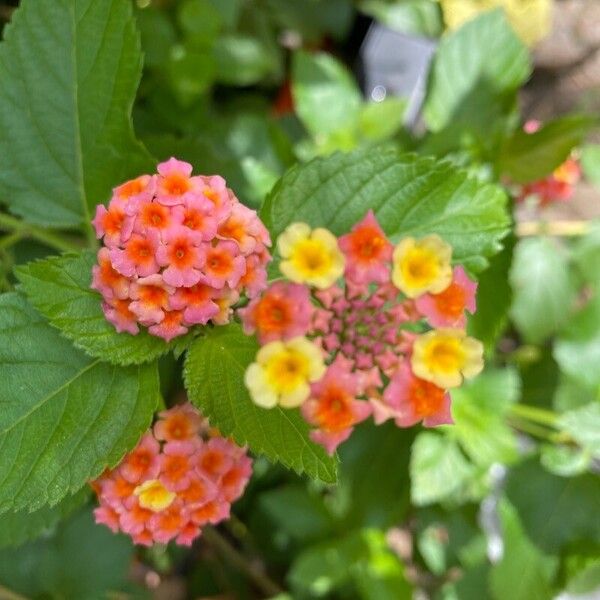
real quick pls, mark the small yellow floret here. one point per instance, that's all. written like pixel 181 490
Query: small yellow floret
pixel 283 371
pixel 310 256
pixel 153 495
pixel 422 266
pixel 446 356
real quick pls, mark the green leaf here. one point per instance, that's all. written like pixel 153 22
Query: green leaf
pixel 69 70
pixel 214 378
pixel 577 350
pixel 555 511
pixel 523 573
pixel 494 297
pixel 590 162
pixel 564 460
pixel 326 96
pixel 22 526
pixel 479 409
pixel 409 196
pixel 543 288
pixel 528 157
pixel 65 416
pixel 438 469
pixel 381 120
pixel 200 20
pixel 59 288
pixel 483 54
pixel 583 425
pixel 585 254
pixel 408 16
pixel 83 560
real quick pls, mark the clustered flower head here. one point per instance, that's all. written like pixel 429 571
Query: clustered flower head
pixel 181 476
pixel 556 187
pixel 362 328
pixel 178 251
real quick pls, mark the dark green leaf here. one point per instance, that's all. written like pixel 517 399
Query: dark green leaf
pixel 65 416
pixel 59 288
pixel 543 288
pixel 409 196
pixel 214 378
pixel 530 156
pixel 555 510
pixel 22 526
pixel 523 573
pixel 68 75
pixel 83 560
pixel 484 53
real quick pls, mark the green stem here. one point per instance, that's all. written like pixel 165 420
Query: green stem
pixel 535 414
pixel 238 560
pixel 10 240
pixel 532 429
pixel 50 239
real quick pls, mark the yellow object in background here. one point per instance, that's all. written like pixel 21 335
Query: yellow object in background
pixel 531 19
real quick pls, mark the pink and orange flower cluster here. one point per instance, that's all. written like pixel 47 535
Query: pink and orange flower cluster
pixel 180 476
pixel 559 186
pixel 178 251
pixel 346 336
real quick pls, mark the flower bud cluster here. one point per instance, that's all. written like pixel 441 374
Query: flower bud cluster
pixel 178 251
pixel 349 334
pixel 181 476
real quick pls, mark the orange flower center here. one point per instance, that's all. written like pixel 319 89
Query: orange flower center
pixel 181 254
pixel 426 398
pixel 212 461
pixel 219 262
pixel 132 188
pixel 272 314
pixel 176 467
pixel 193 219
pixel 233 229
pixel 451 302
pixel 140 250
pixel 153 294
pixel 212 196
pixel 113 221
pixel 335 411
pixel 155 215
pixel 367 243
pixel 177 427
pixel 176 185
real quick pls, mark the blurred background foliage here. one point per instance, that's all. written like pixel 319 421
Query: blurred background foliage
pixel 502 505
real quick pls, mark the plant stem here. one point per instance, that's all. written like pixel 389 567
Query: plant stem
pixel 535 414
pixel 238 560
pixel 50 239
pixel 532 429
pixel 556 228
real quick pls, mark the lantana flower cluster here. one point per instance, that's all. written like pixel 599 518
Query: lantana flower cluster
pixel 559 186
pixel 181 476
pixel 178 251
pixel 360 328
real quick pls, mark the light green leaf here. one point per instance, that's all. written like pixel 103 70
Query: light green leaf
pixel 438 469
pixel 409 196
pixel 326 97
pixel 523 573
pixel 22 526
pixel 543 288
pixel 555 511
pixel 65 417
pixel 485 56
pixel 590 162
pixel 577 350
pixel 564 460
pixel 586 255
pixel 381 120
pixel 583 425
pixel 422 17
pixel 214 378
pixel 59 288
pixel 82 560
pixel 69 70
pixel 478 409
pixel 530 156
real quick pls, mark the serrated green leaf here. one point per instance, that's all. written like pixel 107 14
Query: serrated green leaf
pixel 409 195
pixel 523 573
pixel 483 54
pixel 65 416
pixel 69 70
pixel 214 378
pixel 326 97
pixel 22 526
pixel 527 157
pixel 543 288
pixel 59 288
